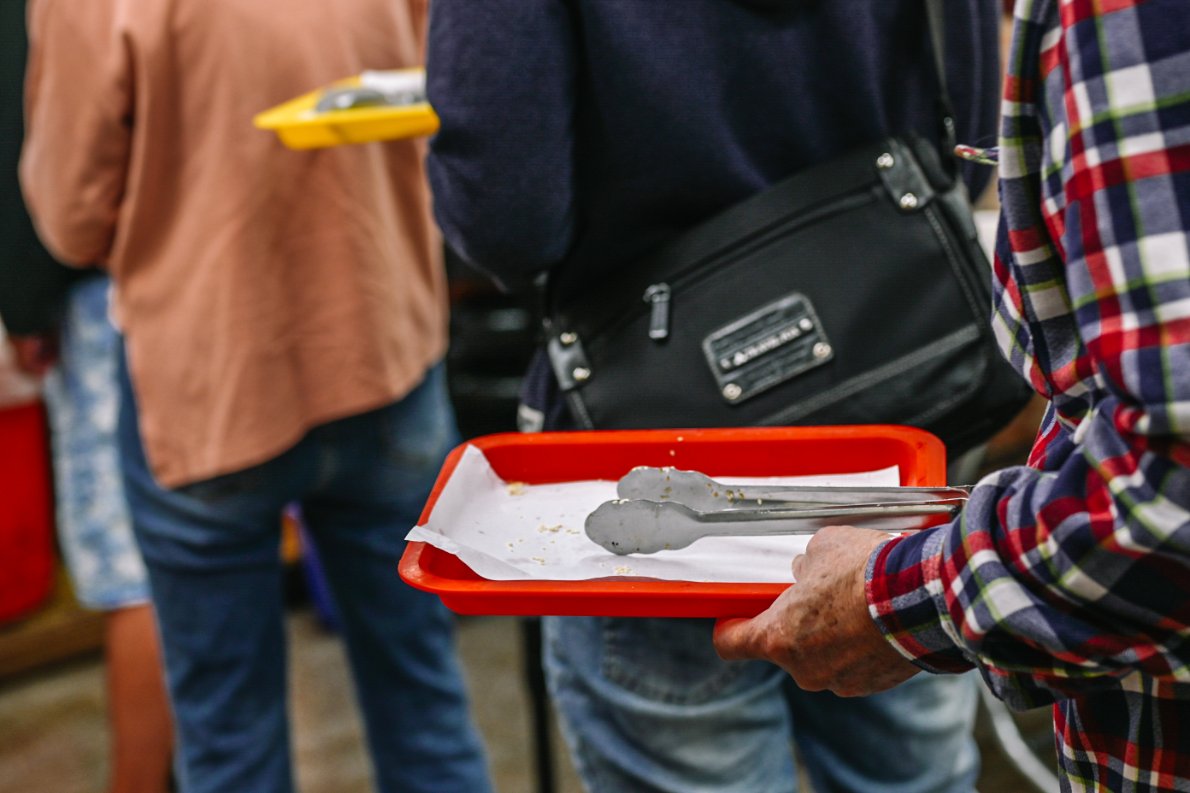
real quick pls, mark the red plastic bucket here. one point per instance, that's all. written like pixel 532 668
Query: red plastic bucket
pixel 26 511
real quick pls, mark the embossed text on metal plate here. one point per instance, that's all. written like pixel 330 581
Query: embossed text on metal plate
pixel 755 352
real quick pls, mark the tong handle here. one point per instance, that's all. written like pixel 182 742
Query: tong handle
pixel 777 520
pixel 704 494
pixel 641 526
pixel 810 495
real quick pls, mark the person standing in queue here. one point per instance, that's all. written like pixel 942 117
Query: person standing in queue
pixel 1063 581
pixel 577 138
pixel 284 319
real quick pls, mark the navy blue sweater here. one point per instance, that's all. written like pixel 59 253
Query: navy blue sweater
pixel 581 134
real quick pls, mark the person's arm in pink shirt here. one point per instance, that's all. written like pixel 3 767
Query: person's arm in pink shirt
pixel 78 134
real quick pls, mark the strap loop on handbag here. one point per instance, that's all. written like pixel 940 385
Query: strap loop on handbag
pixel 937 27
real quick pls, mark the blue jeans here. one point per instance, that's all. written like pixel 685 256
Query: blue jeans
pixel 647 705
pixel 215 575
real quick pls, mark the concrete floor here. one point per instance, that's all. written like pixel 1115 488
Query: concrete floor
pixel 53 739
pixel 52 735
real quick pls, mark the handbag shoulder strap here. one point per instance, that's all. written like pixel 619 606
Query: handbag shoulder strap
pixel 937 26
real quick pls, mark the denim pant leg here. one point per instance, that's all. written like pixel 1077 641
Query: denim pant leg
pixel 647 705
pixel 915 738
pixel 82 395
pixel 378 470
pixel 216 580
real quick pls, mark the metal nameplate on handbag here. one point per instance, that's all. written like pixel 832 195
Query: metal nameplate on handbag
pixel 770 345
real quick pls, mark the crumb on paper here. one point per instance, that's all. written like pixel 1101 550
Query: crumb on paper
pixel 516 488
pixel 510 546
pixel 572 531
pixel 544 529
pixel 540 560
pixel 623 570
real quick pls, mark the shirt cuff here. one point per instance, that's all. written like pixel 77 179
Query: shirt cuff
pixel 905 598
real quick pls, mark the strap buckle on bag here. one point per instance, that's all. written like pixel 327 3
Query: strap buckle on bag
pixel 568 360
pixel 903 178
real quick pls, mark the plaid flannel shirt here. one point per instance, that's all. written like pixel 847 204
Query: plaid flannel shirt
pixel 1068 580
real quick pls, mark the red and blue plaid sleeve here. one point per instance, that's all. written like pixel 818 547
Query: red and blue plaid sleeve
pixel 1072 574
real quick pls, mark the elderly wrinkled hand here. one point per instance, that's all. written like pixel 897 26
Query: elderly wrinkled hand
pixel 819 629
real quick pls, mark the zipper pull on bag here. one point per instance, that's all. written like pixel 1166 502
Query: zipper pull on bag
pixel 657 296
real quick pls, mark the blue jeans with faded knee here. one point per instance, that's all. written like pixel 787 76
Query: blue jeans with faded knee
pixel 215 573
pixel 647 705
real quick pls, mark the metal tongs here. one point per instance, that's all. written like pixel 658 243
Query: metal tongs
pixel 661 509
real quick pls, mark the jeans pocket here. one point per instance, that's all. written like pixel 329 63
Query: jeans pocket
pixel 415 451
pixel 668 660
pixel 226 486
pixel 419 430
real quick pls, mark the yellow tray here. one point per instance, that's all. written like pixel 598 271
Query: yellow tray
pixel 300 126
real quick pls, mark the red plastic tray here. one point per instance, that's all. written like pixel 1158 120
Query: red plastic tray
pixel 570 456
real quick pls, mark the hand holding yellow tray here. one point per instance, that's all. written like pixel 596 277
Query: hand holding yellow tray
pixel 374 106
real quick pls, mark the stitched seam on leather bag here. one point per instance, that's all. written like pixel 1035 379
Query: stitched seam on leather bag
pixel 890 370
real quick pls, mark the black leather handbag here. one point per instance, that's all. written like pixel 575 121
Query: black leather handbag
pixel 854 292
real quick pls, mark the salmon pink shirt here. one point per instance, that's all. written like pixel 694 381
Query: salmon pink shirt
pixel 261 291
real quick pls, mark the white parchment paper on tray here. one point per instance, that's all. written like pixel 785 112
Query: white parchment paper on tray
pixel 507 531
